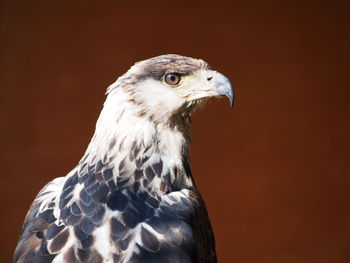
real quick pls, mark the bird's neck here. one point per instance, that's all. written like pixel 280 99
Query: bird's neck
pixel 139 150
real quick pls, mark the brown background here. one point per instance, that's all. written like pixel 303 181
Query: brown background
pixel 274 171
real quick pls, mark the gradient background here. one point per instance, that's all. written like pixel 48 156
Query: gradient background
pixel 274 171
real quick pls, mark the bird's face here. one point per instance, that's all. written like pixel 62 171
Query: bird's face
pixel 199 85
pixel 173 84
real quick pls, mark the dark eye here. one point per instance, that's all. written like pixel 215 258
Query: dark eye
pixel 172 78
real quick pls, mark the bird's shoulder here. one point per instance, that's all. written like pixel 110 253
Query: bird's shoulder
pixel 77 218
pixel 40 218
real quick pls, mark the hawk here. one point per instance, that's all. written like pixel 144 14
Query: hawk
pixel 132 197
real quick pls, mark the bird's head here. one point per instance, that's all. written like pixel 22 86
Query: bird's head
pixel 170 85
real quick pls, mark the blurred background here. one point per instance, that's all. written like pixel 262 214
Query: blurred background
pixel 274 170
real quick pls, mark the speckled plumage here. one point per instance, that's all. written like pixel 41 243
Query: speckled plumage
pixel 132 197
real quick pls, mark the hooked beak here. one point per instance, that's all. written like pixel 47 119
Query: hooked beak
pixel 221 85
pixel 212 84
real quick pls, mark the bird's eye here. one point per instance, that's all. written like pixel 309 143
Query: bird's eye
pixel 172 78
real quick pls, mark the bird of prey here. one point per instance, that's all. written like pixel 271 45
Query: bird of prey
pixel 132 197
